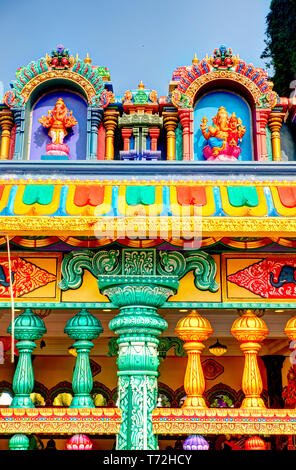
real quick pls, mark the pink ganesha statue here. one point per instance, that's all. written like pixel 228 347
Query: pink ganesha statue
pixel 223 136
pixel 57 121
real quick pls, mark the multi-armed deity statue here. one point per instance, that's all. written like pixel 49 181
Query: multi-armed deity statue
pixel 223 136
pixel 58 120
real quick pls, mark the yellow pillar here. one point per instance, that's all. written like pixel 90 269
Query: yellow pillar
pixel 250 330
pixel 275 123
pixel 170 121
pixel 6 124
pixel 193 329
pixel 110 123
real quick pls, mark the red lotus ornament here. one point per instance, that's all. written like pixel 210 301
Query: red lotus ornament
pixel 79 442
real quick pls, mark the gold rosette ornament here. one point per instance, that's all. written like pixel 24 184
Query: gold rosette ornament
pixel 194 329
pixel 250 330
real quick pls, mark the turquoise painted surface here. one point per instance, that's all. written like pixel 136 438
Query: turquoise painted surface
pixel 208 106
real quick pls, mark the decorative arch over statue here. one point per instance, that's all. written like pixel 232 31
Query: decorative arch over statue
pixel 58 71
pixel 225 71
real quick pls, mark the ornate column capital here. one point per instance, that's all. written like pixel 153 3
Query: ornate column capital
pixel 6 119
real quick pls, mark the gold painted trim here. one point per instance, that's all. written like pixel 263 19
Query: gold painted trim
pixel 88 226
pixel 217 421
pixel 150 182
pixel 59 420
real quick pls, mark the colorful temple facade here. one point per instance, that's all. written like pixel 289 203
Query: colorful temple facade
pixel 147 266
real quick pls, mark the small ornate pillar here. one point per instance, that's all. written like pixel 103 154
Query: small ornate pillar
pixel 110 122
pixel 250 330
pixel 275 123
pixel 28 328
pixel 154 134
pixel 19 442
pixel 6 124
pixel 186 119
pixel 261 122
pixel 194 329
pixel 83 327
pixel 170 121
pixel 126 135
pixel 94 120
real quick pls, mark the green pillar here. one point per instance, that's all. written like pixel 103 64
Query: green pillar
pixel 83 327
pixel 138 325
pixel 19 442
pixel 28 328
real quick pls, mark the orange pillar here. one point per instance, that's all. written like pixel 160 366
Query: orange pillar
pixel 250 330
pixel 110 123
pixel 194 329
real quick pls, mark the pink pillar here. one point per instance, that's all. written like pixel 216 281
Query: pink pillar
pixel 101 142
pixel 186 119
pixel 261 122
pixel 154 134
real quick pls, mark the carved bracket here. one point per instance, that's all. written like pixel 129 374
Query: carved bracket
pixel 139 263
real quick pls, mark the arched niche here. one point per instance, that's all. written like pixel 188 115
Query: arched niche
pixel 42 99
pixel 234 100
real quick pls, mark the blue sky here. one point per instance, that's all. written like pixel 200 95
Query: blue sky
pixel 135 40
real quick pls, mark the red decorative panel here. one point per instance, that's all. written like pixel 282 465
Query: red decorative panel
pixel 271 278
pixel 187 195
pixel 26 277
pixel 2 186
pixel 92 195
pixel 287 195
pixel 212 369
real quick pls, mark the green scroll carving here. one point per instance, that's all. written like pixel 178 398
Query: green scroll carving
pixel 139 262
pixel 73 265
